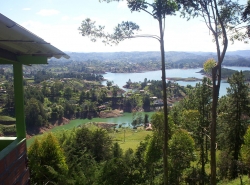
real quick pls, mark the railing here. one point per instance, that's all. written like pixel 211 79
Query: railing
pixel 13 161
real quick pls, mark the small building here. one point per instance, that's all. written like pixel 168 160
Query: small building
pixel 129 94
pixel 102 107
pixel 149 128
pixel 142 91
pixel 158 102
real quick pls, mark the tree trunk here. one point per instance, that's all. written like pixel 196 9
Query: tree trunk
pixel 166 127
pixel 216 77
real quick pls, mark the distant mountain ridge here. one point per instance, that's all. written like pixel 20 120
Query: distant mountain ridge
pixel 239 58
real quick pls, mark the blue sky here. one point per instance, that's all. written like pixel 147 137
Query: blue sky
pixel 57 22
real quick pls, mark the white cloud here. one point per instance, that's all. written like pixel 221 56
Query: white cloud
pixel 65 36
pixel 65 18
pixel 80 17
pixel 48 12
pixel 26 9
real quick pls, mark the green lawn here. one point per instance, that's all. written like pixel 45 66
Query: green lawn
pixel 132 137
pixel 7 118
pixel 245 181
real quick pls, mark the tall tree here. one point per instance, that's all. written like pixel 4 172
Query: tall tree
pixel 34 113
pixel 245 150
pixel 235 120
pixel 220 17
pixel 47 161
pixel 193 111
pixel 181 145
pixel 158 9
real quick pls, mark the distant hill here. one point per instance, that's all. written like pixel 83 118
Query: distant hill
pixel 232 58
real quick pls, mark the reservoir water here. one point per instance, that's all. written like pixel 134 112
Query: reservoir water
pixel 120 79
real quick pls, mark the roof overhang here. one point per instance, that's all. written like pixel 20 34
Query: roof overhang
pixel 17 44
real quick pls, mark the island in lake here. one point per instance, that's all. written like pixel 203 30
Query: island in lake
pixel 189 79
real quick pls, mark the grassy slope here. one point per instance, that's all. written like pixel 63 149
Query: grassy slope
pixel 245 181
pixel 7 118
pixel 132 141
pixel 132 137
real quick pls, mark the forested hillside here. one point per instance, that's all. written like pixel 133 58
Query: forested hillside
pixel 174 59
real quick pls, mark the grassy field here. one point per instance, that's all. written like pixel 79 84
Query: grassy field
pixel 245 181
pixel 7 118
pixel 126 118
pixel 131 137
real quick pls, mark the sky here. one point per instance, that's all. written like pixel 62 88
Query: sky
pixel 57 22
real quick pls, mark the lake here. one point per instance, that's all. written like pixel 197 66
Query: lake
pixel 120 79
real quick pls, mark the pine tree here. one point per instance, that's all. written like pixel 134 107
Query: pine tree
pixel 235 117
pixel 47 161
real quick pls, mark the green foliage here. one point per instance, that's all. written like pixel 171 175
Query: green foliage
pixel 209 65
pixel 181 145
pixel 47 161
pixel 234 115
pixel 121 31
pixel 42 76
pixel 116 150
pixel 85 151
pixel 68 93
pixel 146 103
pixel 34 113
pixel 57 112
pixel 137 119
pixel 153 151
pixel 33 92
pixel 158 124
pixel 245 150
pixel 8 130
pixel 69 110
pixel 192 114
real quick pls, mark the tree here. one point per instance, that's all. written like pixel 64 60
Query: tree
pixel 69 110
pixel 114 91
pixel 101 148
pixel 192 114
pixel 34 113
pixel 116 150
pixel 245 150
pixel 109 84
pixel 102 95
pixel 221 17
pixel 76 144
pixel 47 162
pixel 181 145
pixel 146 120
pixel 146 103
pixel 208 66
pixel 246 17
pixel 158 9
pixel 82 96
pixel 57 112
pixel 68 93
pixel 235 120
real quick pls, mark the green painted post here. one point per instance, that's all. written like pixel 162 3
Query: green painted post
pixel 19 100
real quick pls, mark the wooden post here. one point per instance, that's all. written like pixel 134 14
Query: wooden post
pixel 19 100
